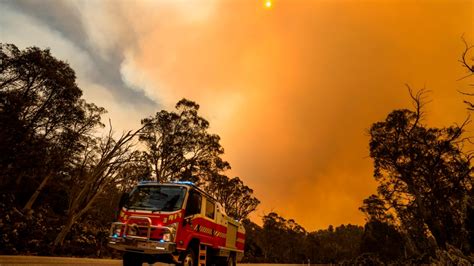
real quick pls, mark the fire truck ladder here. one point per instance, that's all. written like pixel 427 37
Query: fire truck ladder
pixel 202 255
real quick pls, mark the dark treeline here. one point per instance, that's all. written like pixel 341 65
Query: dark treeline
pixel 284 241
pixel 62 172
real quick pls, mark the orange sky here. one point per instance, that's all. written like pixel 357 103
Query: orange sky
pixel 291 90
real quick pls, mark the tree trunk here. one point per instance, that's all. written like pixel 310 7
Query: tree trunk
pixel 64 231
pixel 75 212
pixel 426 214
pixel 35 195
pixel 437 231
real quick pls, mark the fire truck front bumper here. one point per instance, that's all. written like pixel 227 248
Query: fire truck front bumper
pixel 141 246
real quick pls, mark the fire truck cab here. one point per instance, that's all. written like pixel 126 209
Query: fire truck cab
pixel 175 223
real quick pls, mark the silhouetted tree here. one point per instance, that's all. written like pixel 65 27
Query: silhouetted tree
pixel 376 209
pixel 136 169
pixel 281 240
pixel 422 174
pixel 103 161
pixel 467 61
pixel 68 148
pixel 466 56
pixel 470 220
pixel 253 251
pixel 384 240
pixel 179 146
pixel 236 198
pixel 42 119
pixel 334 245
pixel 46 131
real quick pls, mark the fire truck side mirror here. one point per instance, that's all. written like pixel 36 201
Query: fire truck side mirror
pixel 123 200
pixel 187 220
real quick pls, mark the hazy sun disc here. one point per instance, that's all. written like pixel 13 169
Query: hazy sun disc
pixel 268 4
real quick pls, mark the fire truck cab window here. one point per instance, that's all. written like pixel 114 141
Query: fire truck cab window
pixel 194 203
pixel 210 207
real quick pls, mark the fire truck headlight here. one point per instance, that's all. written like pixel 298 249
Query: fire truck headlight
pixel 167 237
pixel 171 234
pixel 117 232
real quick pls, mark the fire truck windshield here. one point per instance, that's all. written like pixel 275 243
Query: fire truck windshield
pixel 157 198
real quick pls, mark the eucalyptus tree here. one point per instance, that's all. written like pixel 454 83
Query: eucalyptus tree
pixel 423 174
pixel 179 146
pixel 236 198
pixel 43 119
pixel 104 164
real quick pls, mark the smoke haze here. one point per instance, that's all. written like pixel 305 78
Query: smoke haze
pixel 291 90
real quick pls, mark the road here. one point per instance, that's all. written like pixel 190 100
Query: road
pixel 42 261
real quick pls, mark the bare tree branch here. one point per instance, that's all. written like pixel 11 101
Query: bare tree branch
pixel 464 60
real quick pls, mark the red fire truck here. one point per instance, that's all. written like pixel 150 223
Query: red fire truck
pixel 175 223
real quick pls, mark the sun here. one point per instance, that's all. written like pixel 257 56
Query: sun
pixel 268 4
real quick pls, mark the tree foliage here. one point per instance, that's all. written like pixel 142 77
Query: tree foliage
pixel 423 175
pixel 42 119
pixel 335 245
pixel 281 239
pixel 376 209
pixel 179 146
pixel 383 239
pixel 236 198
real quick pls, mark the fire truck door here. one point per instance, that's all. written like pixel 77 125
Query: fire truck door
pixel 193 209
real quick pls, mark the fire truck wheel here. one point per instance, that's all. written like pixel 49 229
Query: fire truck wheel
pixel 132 259
pixel 231 260
pixel 189 259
